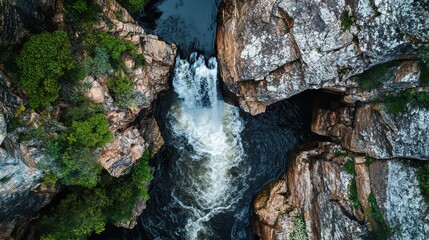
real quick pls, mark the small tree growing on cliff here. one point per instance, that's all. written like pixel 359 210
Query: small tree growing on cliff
pixel 41 62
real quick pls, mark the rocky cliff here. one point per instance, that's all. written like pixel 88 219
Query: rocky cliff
pixel 269 50
pixel 135 129
pixel 132 138
pixel 330 193
pixel 21 194
pixel 369 54
pixel 19 19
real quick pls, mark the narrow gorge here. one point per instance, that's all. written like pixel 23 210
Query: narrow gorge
pixel 214 119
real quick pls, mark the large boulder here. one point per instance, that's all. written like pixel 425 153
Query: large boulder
pixel 150 79
pixel 313 198
pixel 269 50
pixel 368 129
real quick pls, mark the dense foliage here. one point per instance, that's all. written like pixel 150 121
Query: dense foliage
pixel 122 90
pixel 423 178
pixel 80 12
pixel 72 151
pixel 41 62
pixel 86 211
pixel 115 46
pixel 93 132
pixel 399 102
pixel 380 230
pixel 51 68
pixel 133 6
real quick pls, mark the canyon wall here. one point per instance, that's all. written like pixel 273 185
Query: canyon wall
pixel 361 184
pixel 135 129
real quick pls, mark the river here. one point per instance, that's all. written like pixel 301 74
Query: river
pixel 216 157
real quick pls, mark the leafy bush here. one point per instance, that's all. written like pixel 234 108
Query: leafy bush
pixel 72 151
pixel 93 132
pixel 380 230
pixel 80 12
pixel 347 20
pixel 368 160
pixel 423 178
pixel 49 179
pixel 77 216
pixel 86 211
pixel 41 62
pixel 399 102
pixel 79 167
pixel 349 167
pixel 133 6
pixel 83 111
pixel 122 90
pixel 102 64
pixel 115 46
pixel 78 73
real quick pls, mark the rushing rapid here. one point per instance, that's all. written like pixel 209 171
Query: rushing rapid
pixel 215 158
pixel 211 151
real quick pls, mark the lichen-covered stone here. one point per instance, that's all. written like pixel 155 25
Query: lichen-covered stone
pixel 368 129
pixel 316 186
pixel 286 47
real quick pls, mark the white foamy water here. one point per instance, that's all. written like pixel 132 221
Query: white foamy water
pixel 208 182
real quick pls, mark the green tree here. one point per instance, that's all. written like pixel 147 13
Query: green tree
pixel 133 6
pixel 86 211
pixel 41 62
pixel 77 216
pixel 93 132
pixel 122 90
pixel 78 167
pixel 115 46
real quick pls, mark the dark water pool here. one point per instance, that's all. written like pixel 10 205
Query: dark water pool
pixel 191 24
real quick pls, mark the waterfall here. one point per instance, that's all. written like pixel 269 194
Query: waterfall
pixel 209 178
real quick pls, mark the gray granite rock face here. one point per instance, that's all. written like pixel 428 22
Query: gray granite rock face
pixel 18 19
pixel 316 186
pixel 271 50
pixel 369 129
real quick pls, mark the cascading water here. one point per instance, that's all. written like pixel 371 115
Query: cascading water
pixel 216 158
pixel 211 150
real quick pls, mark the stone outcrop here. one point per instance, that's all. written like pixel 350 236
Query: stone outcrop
pixel 361 125
pixel 368 129
pixel 316 189
pixel 21 194
pixel 134 127
pixel 18 19
pixel 272 49
pixel 132 139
